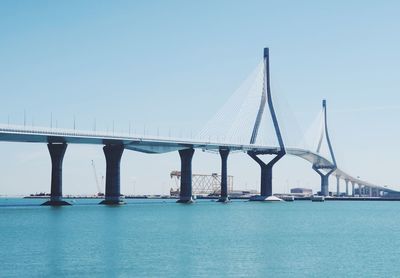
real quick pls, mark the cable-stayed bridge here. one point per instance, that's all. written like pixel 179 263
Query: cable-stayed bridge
pixel 241 125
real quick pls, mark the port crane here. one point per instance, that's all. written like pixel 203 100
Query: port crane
pixel 99 193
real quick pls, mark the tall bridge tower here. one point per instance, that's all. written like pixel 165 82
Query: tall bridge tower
pixel 321 167
pixel 266 168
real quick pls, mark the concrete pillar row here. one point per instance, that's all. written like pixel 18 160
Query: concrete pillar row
pixel 57 151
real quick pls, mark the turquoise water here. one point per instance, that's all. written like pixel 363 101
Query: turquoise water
pixel 157 238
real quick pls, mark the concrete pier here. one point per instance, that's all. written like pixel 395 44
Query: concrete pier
pixel 266 181
pixel 324 180
pixel 113 154
pixel 185 194
pixel 266 176
pixel 347 187
pixel 224 175
pixel 57 152
pixel 353 193
pixel 324 185
pixel 338 186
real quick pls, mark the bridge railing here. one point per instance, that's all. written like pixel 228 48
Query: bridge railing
pixel 74 132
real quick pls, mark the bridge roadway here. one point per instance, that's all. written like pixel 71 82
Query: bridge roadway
pixel 158 145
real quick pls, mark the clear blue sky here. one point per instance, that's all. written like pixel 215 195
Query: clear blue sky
pixel 172 64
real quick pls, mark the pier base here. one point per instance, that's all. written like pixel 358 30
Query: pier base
pixel 259 198
pixel 113 202
pixel 223 200
pixel 56 203
pixel 57 152
pixel 185 194
pixel 113 154
pixel 185 200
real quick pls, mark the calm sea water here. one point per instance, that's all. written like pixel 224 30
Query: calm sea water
pixel 156 238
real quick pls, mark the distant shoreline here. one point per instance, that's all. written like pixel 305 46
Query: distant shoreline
pixel 156 197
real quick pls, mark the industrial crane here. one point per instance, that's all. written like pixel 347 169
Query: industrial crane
pixel 99 193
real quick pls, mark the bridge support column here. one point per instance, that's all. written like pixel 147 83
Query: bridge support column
pixel 324 180
pixel 325 185
pixel 360 190
pixel 266 176
pixel 370 191
pixel 266 181
pixel 185 194
pixel 113 154
pixel 224 175
pixel 57 152
pixel 337 186
pixel 353 193
pixel 347 187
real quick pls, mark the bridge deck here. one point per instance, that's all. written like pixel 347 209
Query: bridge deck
pixel 156 145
